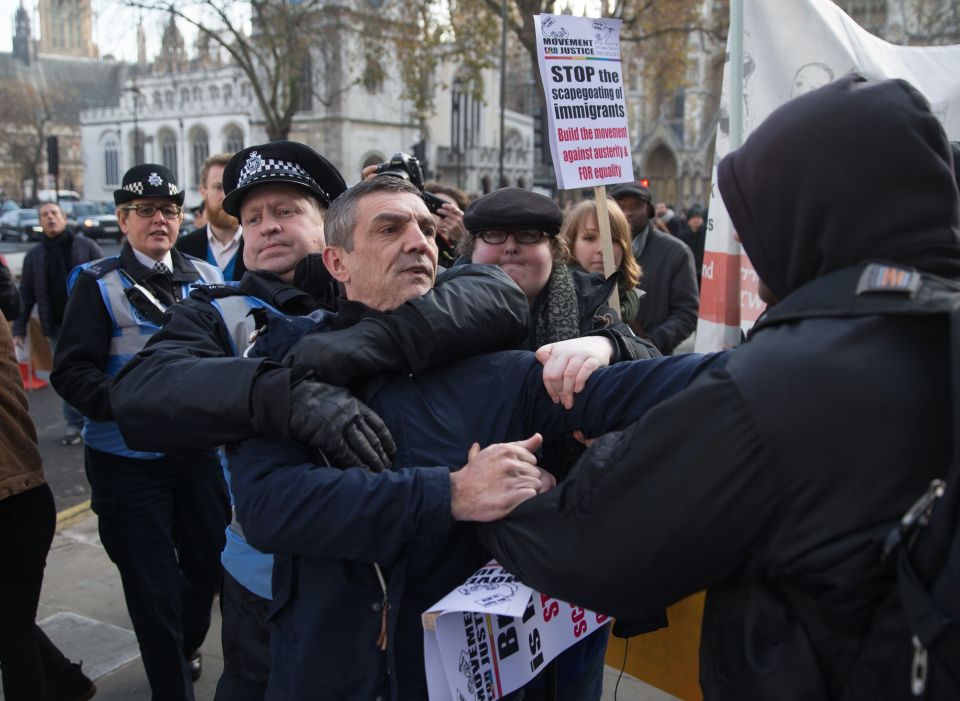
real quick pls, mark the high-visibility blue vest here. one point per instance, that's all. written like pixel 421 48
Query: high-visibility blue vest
pixel 128 336
pixel 247 565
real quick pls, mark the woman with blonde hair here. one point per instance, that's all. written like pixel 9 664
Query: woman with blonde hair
pixel 582 232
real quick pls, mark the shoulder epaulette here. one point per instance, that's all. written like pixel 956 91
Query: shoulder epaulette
pixel 217 290
pixel 101 267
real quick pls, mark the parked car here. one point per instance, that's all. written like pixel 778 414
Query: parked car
pixel 95 220
pixel 186 226
pixel 21 225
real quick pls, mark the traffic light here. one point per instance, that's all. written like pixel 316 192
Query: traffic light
pixel 645 182
pixel 53 156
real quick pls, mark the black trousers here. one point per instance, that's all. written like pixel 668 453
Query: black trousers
pixel 246 643
pixel 162 523
pixel 27 657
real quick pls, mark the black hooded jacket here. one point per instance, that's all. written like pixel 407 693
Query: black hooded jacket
pixel 772 482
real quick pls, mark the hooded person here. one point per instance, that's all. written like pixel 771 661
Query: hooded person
pixel 811 443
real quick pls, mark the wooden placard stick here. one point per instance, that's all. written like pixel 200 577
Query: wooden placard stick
pixel 606 241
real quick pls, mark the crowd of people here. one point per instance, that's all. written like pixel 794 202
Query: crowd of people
pixel 330 405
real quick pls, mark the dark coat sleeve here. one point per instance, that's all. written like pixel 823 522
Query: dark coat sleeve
pixel 648 516
pixel 289 505
pixel 9 294
pixel 472 309
pixel 684 303
pixel 614 397
pixel 79 366
pixel 187 380
pixel 28 295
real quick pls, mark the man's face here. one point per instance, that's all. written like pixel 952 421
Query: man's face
pixel 695 222
pixel 636 211
pixel 52 219
pixel 394 256
pixel 154 235
pixel 281 226
pixel 660 208
pixel 212 193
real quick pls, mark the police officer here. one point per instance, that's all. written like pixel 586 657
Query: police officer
pixel 161 515
pixel 289 187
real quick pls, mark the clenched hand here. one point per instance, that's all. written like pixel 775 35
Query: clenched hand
pixel 496 479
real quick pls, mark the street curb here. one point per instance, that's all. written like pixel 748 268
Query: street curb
pixel 73 515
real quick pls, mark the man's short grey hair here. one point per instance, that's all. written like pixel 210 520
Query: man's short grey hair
pixel 342 216
pixel 44 203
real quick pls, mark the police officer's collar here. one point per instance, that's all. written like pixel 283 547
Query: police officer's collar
pixel 277 292
pixel 183 271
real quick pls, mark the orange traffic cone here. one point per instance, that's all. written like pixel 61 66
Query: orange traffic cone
pixel 28 374
pixel 29 378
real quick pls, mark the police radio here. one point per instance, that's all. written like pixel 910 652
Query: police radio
pixel 144 301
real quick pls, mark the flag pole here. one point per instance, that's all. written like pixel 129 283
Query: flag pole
pixel 736 74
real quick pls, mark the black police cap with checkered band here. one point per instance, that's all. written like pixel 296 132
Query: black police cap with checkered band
pixel 279 162
pixel 148 180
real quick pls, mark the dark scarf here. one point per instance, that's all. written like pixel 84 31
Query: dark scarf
pixel 557 311
pixel 557 318
pixel 57 255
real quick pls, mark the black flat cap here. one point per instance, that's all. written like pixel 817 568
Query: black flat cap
pixel 513 209
pixel 148 180
pixel 279 162
pixel 634 190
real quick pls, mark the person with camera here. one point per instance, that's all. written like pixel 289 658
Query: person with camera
pixel 161 512
pixel 283 189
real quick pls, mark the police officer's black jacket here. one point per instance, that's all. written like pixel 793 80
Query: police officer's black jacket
pixel 79 374
pixel 772 482
pixel 189 380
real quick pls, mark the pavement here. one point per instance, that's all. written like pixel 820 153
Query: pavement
pixel 82 611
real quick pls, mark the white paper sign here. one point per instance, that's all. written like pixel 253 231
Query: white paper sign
pixel 493 634
pixel 579 61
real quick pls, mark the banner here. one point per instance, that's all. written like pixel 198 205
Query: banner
pixel 493 634
pixel 791 48
pixel 582 78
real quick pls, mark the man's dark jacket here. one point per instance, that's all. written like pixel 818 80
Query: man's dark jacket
pixel 327 525
pixel 33 282
pixel 772 483
pixel 197 245
pixel 188 378
pixel 668 311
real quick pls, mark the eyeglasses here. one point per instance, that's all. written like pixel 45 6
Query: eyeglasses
pixel 524 236
pixel 169 211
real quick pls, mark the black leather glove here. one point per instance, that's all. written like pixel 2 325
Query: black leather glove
pixel 366 349
pixel 336 423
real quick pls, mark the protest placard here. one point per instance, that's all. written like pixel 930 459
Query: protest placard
pixel 493 634
pixel 579 61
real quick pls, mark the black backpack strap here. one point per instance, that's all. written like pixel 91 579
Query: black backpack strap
pixel 868 289
pixel 926 543
pixel 927 547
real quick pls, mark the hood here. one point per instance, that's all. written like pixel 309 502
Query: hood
pixel 853 171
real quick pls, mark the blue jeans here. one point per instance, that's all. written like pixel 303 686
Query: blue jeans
pixel 162 522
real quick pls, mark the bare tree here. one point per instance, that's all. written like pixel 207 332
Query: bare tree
pixel 274 55
pixel 28 115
